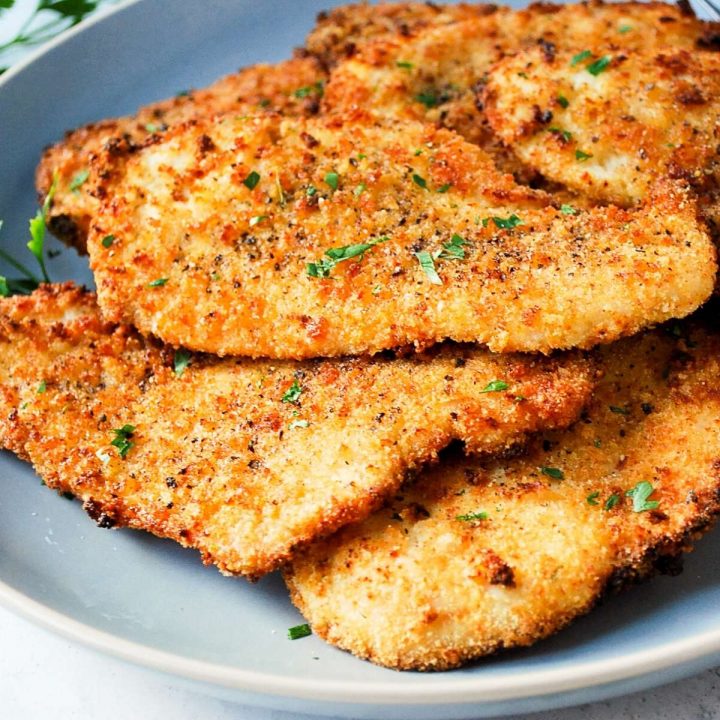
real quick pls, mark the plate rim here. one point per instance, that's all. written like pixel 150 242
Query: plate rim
pixel 468 689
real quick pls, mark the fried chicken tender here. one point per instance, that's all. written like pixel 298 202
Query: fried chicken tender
pixel 606 121
pixel 480 556
pixel 437 74
pixel 292 87
pixel 245 460
pixel 271 237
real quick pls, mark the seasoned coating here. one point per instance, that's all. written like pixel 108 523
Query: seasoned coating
pixel 241 459
pixel 429 582
pixel 227 237
pixel 338 32
pixel 437 74
pixel 606 121
pixel 293 87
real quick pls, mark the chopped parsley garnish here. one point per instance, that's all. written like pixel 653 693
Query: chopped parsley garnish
pixel 553 472
pixel 444 188
pixel 108 240
pixel 251 181
pixel 566 135
pixel 299 424
pixel 427 263
pixel 503 223
pixel 454 250
pixel 332 179
pixel 314 89
pixel 322 268
pixel 299 631
pixel 311 190
pixel 624 29
pixel 599 65
pixel 181 361
pixel 122 440
pixel 592 498
pixel 428 98
pixel 42 387
pixel 582 156
pixel 404 65
pixel 619 410
pixel 577 59
pixel 469 517
pixel 611 502
pixel 495 386
pixel 640 494
pixel 568 210
pixel 360 189
pixel 158 283
pixel 419 181
pixel 293 393
pixel 562 101
pixel 152 127
pixel 78 180
pixel 257 219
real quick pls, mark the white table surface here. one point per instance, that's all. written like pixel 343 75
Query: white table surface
pixel 46 677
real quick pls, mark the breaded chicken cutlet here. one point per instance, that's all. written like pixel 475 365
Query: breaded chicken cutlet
pixel 292 87
pixel 480 556
pixel 606 121
pixel 437 74
pixel 289 238
pixel 245 460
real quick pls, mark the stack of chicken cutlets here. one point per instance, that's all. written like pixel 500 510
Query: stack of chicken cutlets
pixel 410 316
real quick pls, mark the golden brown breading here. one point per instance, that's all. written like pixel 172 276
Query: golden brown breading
pixel 607 121
pixel 437 74
pixel 480 556
pixel 244 460
pixel 292 88
pixel 340 31
pixel 220 226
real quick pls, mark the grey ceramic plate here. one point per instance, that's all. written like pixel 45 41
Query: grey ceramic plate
pixel 153 603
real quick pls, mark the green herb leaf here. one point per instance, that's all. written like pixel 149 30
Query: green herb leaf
pixel 332 179
pixel 42 387
pixel 404 65
pixel 251 181
pixel 38 225
pixel 577 59
pixel 553 472
pixel 293 393
pixel 566 135
pixel 419 181
pixel 624 29
pixel 611 502
pixel 428 266
pixel 181 361
pixel 619 410
pixel 311 190
pixel 108 240
pixel 122 440
pixel 582 156
pixel 444 188
pixel 299 631
pixel 360 189
pixel 428 98
pixel 257 219
pixel 503 223
pixel 469 517
pixel 158 283
pixel 454 250
pixel 495 386
pixel 315 89
pixel 640 494
pixel 592 498
pixel 322 268
pixel 568 210
pixel 562 101
pixel 599 65
pixel 78 180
